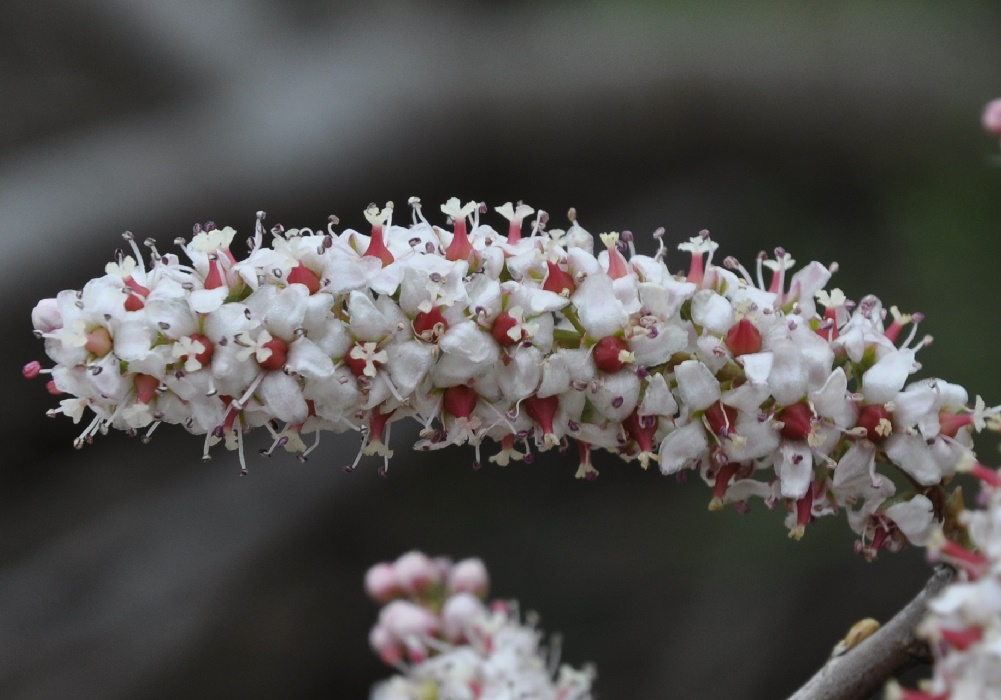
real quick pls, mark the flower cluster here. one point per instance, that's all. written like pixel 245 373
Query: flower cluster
pixel 963 625
pixel 435 618
pixel 778 389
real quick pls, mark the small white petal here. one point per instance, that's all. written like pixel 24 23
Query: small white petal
pixel 697 386
pixel 683 446
pixel 133 340
pixel 795 469
pixel 657 398
pixel 831 400
pixel 757 366
pixel 883 380
pixel 205 301
pixel 711 311
pixel 367 323
pixel 915 518
pixel 286 313
pixel 618 395
pixel 600 311
pixel 282 396
pixel 911 453
pixel 306 358
pixel 789 378
pixel 408 363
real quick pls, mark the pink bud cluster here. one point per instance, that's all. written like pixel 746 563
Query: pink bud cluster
pixel 777 389
pixel 436 629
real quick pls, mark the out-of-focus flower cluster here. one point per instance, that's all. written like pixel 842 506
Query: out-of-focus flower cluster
pixel 778 389
pixel 963 625
pixel 436 629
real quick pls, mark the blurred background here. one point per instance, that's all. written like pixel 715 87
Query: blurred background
pixel 841 131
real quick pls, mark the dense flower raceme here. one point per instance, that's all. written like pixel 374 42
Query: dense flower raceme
pixel 436 629
pixel 781 390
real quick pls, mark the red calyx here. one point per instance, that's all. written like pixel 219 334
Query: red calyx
pixel 721 418
pixel 205 356
pixel 514 231
pixel 804 508
pixel 950 423
pixel 145 387
pixel 230 420
pixel 743 338
pixel 607 352
pixel 279 354
pixel 460 248
pixel 136 301
pixel 797 421
pixel 426 323
pixel 377 247
pixel 617 266
pixel 542 411
pixel 377 424
pixel 357 365
pixel 136 287
pixel 32 369
pixel 870 418
pixel 502 324
pixel 50 387
pixel 723 476
pixel 216 277
pixel 962 639
pixel 559 281
pixel 828 328
pixel 459 401
pixel 641 429
pixel 301 274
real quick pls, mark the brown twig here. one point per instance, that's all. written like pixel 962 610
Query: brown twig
pixel 862 670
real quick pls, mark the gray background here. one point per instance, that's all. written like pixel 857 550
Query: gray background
pixel 845 132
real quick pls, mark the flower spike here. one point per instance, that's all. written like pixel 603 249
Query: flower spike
pixel 782 391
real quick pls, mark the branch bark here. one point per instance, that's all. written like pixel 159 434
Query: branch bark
pixel 860 672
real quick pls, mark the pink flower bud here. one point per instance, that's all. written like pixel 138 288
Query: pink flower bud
pixel 385 645
pixel 45 317
pixel 468 576
pixel 415 572
pixel 99 341
pixel 991 118
pixel 32 369
pixel 458 614
pixel 404 619
pixel 380 583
